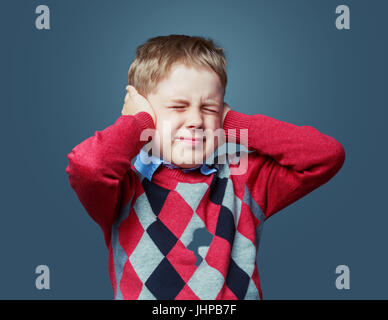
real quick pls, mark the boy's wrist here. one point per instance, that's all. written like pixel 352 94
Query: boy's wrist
pixel 144 120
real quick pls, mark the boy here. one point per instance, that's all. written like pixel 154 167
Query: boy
pixel 177 227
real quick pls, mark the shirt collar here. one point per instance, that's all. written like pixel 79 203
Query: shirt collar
pixel 147 165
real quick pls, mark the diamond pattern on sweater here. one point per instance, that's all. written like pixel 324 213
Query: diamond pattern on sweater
pixel 146 294
pixel 187 294
pixel 243 247
pixel 237 280
pixel 156 195
pixel 208 212
pixel 176 213
pixel 200 243
pixel 146 257
pixel 197 241
pixel 217 189
pixel 162 236
pixel 226 294
pixel 192 193
pixel 232 203
pixel 144 211
pixel 258 213
pixel 195 223
pixel 248 223
pixel 165 282
pixel 119 255
pixel 252 292
pixel 183 260
pixel 255 208
pixel 225 226
pixel 219 250
pixel 130 284
pixel 212 277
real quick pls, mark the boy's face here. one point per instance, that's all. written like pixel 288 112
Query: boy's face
pixel 186 103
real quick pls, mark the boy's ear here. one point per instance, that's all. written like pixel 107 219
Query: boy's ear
pixel 225 111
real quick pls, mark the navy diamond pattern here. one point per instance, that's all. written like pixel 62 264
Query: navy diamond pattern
pixel 162 236
pixel 156 195
pixel 237 280
pixel 165 283
pixel 217 189
pixel 225 225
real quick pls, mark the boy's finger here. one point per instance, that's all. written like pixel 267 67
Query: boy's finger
pixel 134 90
pixel 131 91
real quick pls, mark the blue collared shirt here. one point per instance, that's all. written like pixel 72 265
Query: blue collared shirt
pixel 147 165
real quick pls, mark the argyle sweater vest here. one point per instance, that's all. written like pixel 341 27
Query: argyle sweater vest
pixel 187 235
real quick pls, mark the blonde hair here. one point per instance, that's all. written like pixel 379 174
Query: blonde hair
pixel 155 58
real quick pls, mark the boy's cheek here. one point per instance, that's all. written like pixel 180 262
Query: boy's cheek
pixel 164 143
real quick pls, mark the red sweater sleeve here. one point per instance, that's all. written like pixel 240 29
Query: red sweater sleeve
pixel 290 161
pixel 99 165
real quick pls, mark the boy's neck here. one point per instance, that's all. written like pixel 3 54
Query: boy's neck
pixel 169 177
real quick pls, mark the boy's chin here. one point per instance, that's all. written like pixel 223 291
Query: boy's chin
pixel 187 164
pixel 190 160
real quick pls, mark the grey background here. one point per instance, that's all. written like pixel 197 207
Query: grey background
pixel 286 60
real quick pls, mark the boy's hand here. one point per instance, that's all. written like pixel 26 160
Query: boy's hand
pixel 135 103
pixel 226 110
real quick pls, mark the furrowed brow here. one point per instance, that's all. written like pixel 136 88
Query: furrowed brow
pixel 212 103
pixel 179 100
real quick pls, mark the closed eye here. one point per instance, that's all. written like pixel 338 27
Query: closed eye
pixel 181 108
pixel 178 108
pixel 211 110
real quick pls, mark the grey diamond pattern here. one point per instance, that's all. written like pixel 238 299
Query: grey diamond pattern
pixel 146 257
pixel 209 276
pixel 256 210
pixel 146 294
pixel 195 223
pixel 192 193
pixel 232 202
pixel 119 254
pixel 244 253
pixel 144 211
pixel 252 292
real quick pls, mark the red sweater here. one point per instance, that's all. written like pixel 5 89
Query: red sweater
pixel 188 235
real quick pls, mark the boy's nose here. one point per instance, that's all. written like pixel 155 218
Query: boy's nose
pixel 194 119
